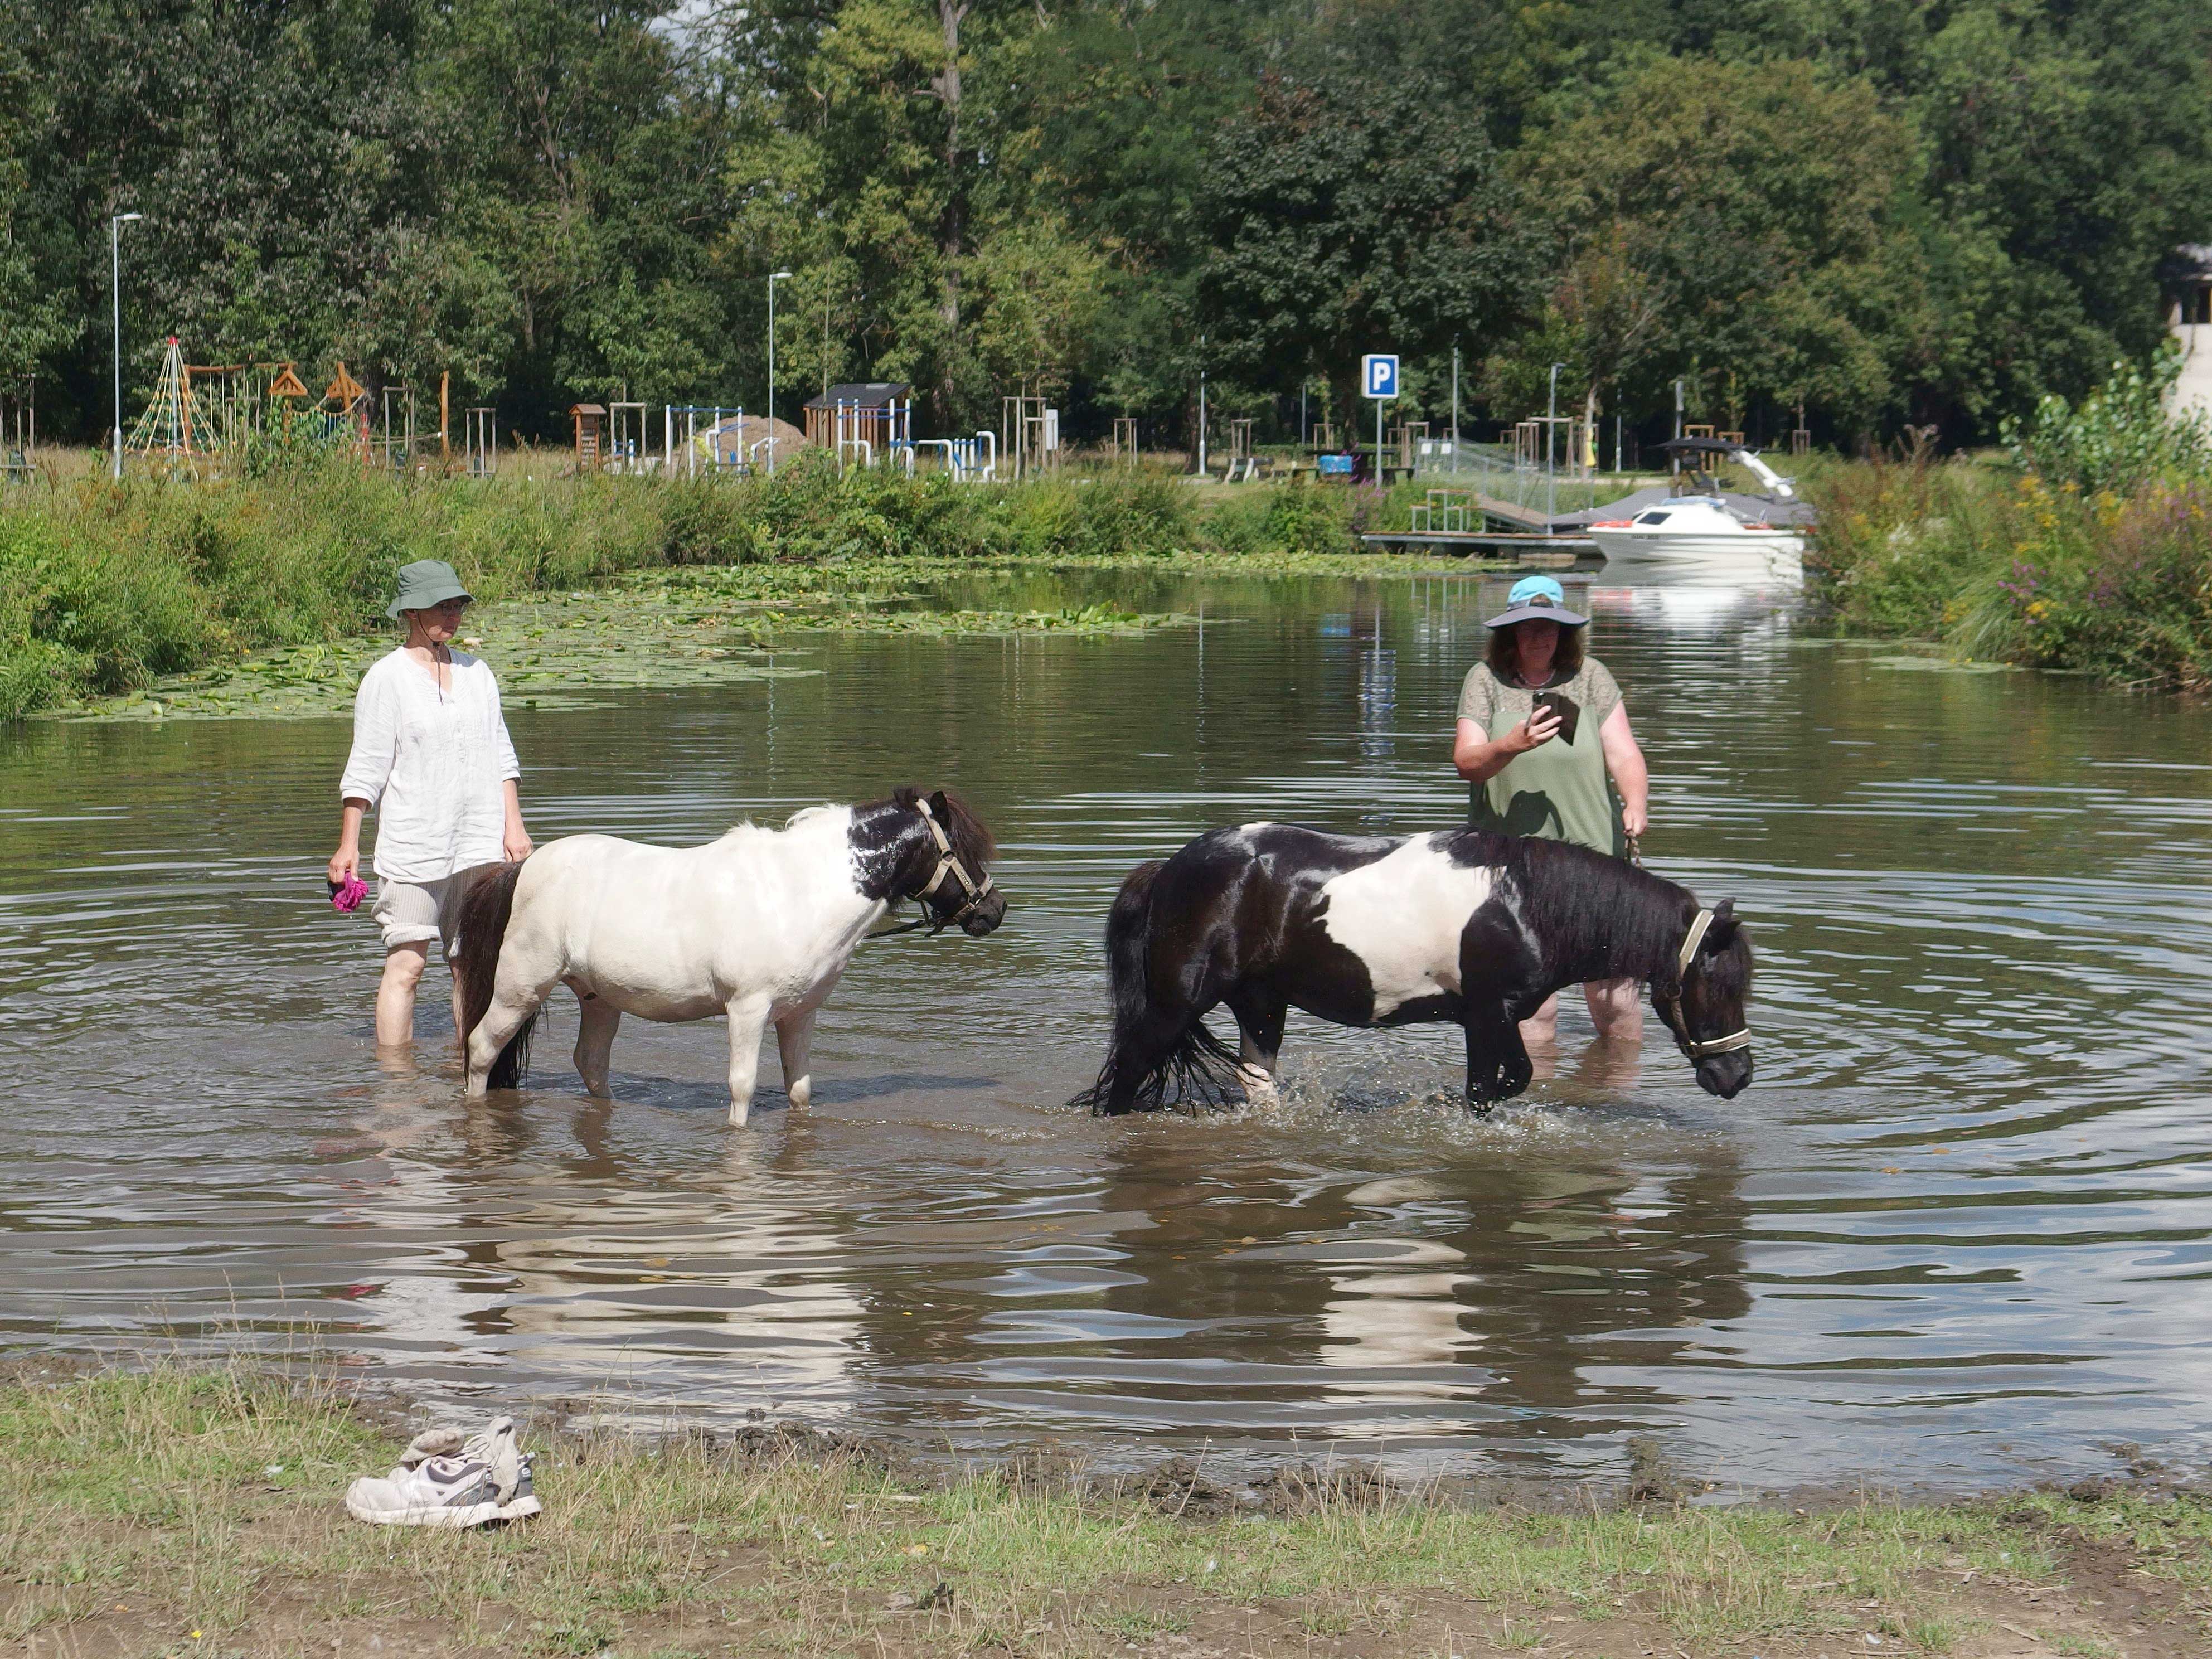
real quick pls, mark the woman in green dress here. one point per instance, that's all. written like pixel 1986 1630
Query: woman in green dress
pixel 1528 774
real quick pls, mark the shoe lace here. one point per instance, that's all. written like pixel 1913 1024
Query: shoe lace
pixel 494 1446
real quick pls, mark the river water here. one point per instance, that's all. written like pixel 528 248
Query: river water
pixel 1954 1235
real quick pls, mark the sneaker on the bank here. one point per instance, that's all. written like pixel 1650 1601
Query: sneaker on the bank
pixel 488 1481
pixel 495 1446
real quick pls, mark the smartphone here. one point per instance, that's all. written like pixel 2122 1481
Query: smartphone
pixel 1569 711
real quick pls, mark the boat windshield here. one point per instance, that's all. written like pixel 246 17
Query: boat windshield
pixel 1651 518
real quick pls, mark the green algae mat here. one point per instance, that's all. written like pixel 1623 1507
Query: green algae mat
pixel 661 630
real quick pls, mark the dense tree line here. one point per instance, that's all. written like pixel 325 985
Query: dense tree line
pixel 1889 210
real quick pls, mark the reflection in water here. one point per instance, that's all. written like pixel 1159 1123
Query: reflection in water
pixel 1956 1232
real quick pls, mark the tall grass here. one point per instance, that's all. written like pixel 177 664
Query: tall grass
pixel 2005 566
pixel 104 587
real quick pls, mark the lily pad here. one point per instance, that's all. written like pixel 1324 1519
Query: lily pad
pixel 660 630
pixel 1940 666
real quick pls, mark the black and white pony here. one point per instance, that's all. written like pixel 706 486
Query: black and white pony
pixel 1461 924
pixel 757 924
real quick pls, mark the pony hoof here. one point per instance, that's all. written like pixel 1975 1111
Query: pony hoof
pixel 738 1114
pixel 1259 1085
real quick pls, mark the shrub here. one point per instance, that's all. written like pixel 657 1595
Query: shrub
pixel 2118 438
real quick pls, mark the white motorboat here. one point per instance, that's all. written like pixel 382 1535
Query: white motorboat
pixel 1699 532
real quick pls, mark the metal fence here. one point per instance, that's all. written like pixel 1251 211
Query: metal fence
pixel 1494 472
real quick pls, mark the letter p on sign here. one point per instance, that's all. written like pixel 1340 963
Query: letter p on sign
pixel 1378 374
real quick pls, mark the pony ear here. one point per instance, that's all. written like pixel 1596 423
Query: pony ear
pixel 941 807
pixel 1722 934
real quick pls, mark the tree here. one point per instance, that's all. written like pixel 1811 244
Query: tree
pixel 1355 217
pixel 1737 225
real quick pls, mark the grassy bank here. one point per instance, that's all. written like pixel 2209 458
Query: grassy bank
pixel 175 1512
pixel 2001 565
pixel 106 589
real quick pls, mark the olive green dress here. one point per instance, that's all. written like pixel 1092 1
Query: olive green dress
pixel 1560 791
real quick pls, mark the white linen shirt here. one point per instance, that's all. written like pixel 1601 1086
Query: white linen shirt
pixel 430 763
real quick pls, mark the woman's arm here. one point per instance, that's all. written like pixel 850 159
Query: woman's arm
pixel 515 839
pixel 367 770
pixel 1625 760
pixel 1480 758
pixel 345 863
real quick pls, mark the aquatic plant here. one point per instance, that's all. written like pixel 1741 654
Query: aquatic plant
pixel 106 589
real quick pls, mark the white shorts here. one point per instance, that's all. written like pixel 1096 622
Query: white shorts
pixel 414 912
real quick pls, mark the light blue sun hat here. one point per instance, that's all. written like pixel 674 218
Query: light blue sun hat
pixel 1537 599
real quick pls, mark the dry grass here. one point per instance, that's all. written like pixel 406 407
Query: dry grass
pixel 198 1511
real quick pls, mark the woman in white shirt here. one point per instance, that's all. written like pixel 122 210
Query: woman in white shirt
pixel 431 758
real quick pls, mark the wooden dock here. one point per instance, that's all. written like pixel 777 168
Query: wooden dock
pixel 1527 517
pixel 1519 546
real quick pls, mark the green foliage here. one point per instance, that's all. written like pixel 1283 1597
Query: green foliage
pixel 1925 215
pixel 104 589
pixel 2014 569
pixel 1355 211
pixel 2118 437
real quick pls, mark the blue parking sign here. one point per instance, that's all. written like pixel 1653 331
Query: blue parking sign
pixel 1378 374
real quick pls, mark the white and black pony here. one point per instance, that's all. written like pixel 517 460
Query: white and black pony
pixel 756 925
pixel 1461 924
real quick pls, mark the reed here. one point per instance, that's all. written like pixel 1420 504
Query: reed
pixel 2003 565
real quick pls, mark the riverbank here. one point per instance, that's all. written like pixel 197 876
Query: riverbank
pixel 106 590
pixel 2001 566
pixel 175 1512
pixel 266 597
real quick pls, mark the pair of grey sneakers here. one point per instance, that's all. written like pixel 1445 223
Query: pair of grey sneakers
pixel 444 1480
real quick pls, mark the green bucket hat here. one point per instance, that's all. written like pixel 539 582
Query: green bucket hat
pixel 425 583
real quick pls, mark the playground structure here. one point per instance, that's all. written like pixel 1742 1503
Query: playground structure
pixel 860 421
pixel 481 453
pixel 1029 436
pixel 1243 464
pixel 1447 511
pixel 396 452
pixel 968 460
pixel 591 424
pixel 626 447
pixel 202 419
pixel 19 434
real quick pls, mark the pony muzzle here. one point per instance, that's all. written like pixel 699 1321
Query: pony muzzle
pixel 1726 1075
pixel 984 914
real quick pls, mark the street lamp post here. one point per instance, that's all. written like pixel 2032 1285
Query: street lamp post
pixel 1551 436
pixel 1202 408
pixel 773 280
pixel 115 298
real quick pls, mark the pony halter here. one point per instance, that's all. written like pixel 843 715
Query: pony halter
pixel 1672 1005
pixel 948 863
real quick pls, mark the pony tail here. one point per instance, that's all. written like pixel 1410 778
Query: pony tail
pixel 480 917
pixel 1138 1067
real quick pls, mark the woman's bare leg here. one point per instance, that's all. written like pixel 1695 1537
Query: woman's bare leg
pixel 1616 1008
pixel 395 994
pixel 1543 1025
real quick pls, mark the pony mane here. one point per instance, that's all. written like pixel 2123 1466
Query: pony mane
pixel 973 844
pixel 1589 906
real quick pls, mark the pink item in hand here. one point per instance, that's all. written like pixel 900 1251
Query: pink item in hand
pixel 347 895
